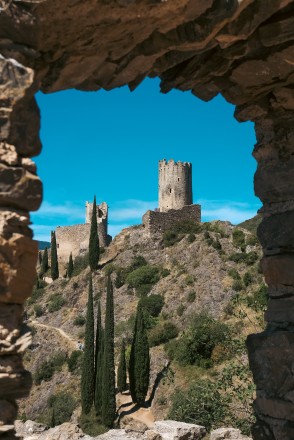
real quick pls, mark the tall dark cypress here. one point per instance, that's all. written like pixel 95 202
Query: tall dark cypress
pixel 88 367
pixel 139 366
pixel 98 363
pixel 54 258
pixel 44 265
pixel 108 386
pixel 122 370
pixel 70 266
pixel 94 239
pixel 40 258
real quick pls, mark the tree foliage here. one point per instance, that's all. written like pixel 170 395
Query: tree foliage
pixel 44 263
pixel 88 368
pixel 70 266
pixel 94 239
pixel 108 386
pixel 98 362
pixel 122 370
pixel 54 258
pixel 139 365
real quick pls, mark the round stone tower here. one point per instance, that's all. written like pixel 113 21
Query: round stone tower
pixel 175 185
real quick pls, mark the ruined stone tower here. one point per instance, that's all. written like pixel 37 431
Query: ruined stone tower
pixel 174 185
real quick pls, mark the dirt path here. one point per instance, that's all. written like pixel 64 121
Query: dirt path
pixel 128 409
pixel 72 343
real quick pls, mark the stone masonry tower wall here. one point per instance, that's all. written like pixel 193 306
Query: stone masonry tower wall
pixel 175 185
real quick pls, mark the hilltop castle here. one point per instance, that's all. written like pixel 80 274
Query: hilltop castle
pixel 175 197
pixel 75 239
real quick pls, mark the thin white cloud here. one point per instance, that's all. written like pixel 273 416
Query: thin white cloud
pixel 130 210
pixel 67 209
pixel 234 212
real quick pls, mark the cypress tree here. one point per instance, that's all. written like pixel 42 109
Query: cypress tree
pixel 108 373
pixel 98 363
pixel 139 367
pixel 87 379
pixel 70 266
pixel 54 258
pixel 94 239
pixel 40 258
pixel 44 265
pixel 122 370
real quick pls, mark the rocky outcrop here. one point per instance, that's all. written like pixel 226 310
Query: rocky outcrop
pixel 227 434
pixel 164 430
pixel 242 49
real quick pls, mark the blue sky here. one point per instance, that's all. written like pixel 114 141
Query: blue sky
pixel 109 144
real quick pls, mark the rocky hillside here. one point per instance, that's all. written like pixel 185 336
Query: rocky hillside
pixel 210 268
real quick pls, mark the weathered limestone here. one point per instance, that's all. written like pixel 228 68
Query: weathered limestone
pixel 20 191
pixel 242 49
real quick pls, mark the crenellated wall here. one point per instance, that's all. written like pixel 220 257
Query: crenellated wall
pixel 242 49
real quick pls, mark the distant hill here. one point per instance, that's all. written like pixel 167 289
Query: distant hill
pixel 252 224
pixel 43 244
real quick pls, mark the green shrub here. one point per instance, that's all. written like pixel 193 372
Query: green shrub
pixel 237 285
pixel 201 404
pixel 252 240
pixel 56 301
pixel 165 272
pixel 162 333
pixel 153 304
pixel 36 295
pixel 191 238
pixel 199 340
pixel 180 309
pixel 58 360
pixel 248 259
pixel 138 261
pixel 170 238
pixel 81 262
pixel 239 239
pixel 63 405
pixel 38 310
pixel 44 372
pixel 143 275
pixel 191 296
pixel 143 290
pixel 187 227
pixel 74 361
pixel 91 424
pixel 248 279
pixel 189 280
pixel 233 273
pixel 79 321
pixel 109 269
pixel 258 301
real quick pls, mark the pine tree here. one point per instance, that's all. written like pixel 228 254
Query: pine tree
pixel 94 239
pixel 139 367
pixel 122 370
pixel 98 363
pixel 87 379
pixel 44 265
pixel 108 373
pixel 54 258
pixel 70 266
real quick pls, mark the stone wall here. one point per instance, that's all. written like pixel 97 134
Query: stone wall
pixel 75 239
pixel 242 49
pixel 154 221
pixel 175 185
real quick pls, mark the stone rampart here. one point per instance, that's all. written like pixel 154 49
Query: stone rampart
pixel 155 221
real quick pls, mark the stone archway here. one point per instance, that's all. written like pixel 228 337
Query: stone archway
pixel 242 49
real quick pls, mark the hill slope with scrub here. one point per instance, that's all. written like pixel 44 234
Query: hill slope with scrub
pixel 201 292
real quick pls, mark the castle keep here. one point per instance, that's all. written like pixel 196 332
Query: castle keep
pixel 175 197
pixel 75 239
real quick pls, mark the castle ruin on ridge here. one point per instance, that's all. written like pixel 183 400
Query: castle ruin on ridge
pixel 175 197
pixel 75 239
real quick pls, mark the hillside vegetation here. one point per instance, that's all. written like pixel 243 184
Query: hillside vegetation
pixel 202 293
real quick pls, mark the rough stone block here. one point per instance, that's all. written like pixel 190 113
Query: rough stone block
pixel 280 310
pixel 271 359
pixel 172 430
pixel 19 188
pixel 18 259
pixel 276 232
pixel 278 269
pixel 227 434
